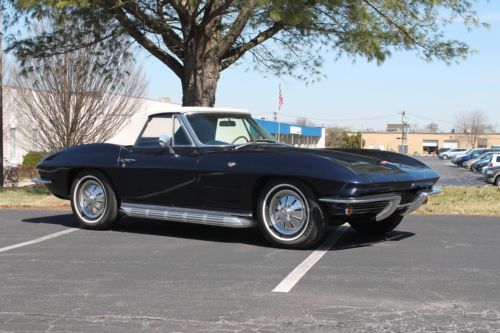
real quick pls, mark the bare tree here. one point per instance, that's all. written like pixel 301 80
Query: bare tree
pixel 69 100
pixel 303 121
pixel 472 124
pixel 432 127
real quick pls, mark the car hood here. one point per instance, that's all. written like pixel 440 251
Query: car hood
pixel 373 166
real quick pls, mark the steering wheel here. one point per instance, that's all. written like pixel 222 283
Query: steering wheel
pixel 240 137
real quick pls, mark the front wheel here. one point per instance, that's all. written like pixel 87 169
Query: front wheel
pixel 289 215
pixel 445 157
pixel 373 227
pixel 94 201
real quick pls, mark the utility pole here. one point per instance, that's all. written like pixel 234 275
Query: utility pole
pixel 404 134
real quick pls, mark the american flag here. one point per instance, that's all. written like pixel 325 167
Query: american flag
pixel 280 98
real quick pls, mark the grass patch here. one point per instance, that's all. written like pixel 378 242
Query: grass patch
pixel 464 200
pixel 455 200
pixel 30 197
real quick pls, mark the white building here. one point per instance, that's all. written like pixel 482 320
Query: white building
pixel 16 144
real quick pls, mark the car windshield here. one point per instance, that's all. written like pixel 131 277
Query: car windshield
pixel 217 129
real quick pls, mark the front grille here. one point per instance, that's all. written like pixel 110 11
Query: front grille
pixel 369 207
pixel 407 196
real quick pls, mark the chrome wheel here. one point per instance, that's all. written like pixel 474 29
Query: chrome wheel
pixel 287 213
pixel 91 199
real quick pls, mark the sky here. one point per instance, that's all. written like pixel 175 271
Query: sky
pixel 361 95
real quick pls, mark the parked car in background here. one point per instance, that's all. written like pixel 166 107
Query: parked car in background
pixel 468 164
pixel 492 175
pixel 478 165
pixel 483 157
pixel 441 151
pixel 473 153
pixel 452 152
pixel 457 156
pixel 494 160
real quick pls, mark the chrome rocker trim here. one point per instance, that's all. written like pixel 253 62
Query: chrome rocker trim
pixel 188 215
pixel 41 181
pixel 392 206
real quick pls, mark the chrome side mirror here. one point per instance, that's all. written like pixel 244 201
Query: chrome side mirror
pixel 165 140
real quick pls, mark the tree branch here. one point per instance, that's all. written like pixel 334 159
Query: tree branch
pixel 163 56
pixel 212 14
pixel 398 26
pixel 170 38
pixel 235 53
pixel 237 27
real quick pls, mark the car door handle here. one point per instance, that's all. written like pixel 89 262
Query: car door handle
pixel 127 160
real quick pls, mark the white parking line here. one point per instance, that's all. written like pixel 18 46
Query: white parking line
pixel 38 240
pixel 294 277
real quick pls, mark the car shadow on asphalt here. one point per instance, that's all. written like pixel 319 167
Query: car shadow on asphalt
pixel 167 229
pixel 353 239
pixel 252 236
pixel 65 220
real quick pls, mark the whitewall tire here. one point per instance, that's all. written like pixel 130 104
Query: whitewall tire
pixel 93 200
pixel 289 215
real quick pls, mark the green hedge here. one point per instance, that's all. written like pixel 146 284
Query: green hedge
pixel 32 158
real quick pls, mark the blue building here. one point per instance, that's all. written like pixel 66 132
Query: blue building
pixel 300 136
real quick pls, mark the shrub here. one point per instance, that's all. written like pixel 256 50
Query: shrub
pixel 11 176
pixel 32 158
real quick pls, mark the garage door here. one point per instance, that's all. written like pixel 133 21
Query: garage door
pixel 450 144
pixel 430 143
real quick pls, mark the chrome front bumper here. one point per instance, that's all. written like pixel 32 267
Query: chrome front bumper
pixel 393 202
pixel 41 181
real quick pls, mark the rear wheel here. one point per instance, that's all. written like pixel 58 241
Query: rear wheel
pixel 94 201
pixel 497 181
pixel 373 227
pixel 445 157
pixel 289 215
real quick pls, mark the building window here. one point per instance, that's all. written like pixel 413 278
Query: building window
pixel 482 143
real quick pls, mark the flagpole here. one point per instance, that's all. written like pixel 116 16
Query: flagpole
pixel 280 102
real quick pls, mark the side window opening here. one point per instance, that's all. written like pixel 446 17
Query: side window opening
pixel 162 125
pixel 180 137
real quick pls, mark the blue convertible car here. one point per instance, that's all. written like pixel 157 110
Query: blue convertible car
pixel 219 167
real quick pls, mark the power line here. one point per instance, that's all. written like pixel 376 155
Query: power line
pixel 431 119
pixel 330 119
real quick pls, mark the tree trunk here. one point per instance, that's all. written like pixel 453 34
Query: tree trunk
pixel 199 84
pixel 201 73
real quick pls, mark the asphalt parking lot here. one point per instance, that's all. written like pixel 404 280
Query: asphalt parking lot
pixel 451 174
pixel 433 274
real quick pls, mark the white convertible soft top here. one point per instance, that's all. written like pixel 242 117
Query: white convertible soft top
pixel 190 109
pixel 134 124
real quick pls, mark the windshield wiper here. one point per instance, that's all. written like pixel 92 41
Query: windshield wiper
pixel 265 140
pixel 255 142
